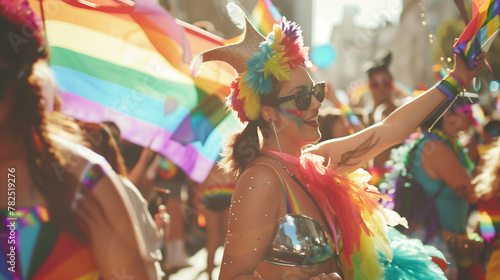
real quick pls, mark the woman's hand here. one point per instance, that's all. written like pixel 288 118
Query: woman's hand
pixel 463 71
pixel 330 276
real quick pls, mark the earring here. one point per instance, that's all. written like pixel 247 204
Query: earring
pixel 276 135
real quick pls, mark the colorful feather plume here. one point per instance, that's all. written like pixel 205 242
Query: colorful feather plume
pixel 282 51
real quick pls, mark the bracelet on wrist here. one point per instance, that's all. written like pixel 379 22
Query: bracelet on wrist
pixel 451 85
pixel 458 78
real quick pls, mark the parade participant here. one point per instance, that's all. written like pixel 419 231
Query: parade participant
pixel 382 91
pixel 215 199
pixel 487 184
pixel 433 189
pixel 296 212
pixel 67 214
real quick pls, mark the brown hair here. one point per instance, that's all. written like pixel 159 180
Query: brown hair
pixel 101 141
pixel 244 147
pixel 45 159
pixel 57 186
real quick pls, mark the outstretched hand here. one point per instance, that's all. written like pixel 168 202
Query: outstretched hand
pixel 462 70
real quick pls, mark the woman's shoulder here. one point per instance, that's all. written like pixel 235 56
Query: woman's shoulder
pixel 262 174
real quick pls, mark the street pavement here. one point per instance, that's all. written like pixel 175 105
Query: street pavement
pixel 198 264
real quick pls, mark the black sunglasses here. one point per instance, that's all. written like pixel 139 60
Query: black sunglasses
pixel 303 97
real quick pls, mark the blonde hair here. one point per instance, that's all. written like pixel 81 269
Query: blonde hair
pixel 488 181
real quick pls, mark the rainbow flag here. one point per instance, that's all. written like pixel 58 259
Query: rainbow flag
pixel 127 62
pixel 264 15
pixel 480 31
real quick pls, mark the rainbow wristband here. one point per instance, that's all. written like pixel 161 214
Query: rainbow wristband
pixel 451 86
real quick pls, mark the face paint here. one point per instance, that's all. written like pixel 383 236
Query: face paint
pixel 294 115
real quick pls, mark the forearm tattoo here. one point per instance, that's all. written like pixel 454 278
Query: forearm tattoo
pixel 360 151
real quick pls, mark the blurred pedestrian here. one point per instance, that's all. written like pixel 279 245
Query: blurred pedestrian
pixel 215 197
pixel 487 184
pixel 73 219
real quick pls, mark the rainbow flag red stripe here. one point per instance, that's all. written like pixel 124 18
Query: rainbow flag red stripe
pixel 125 63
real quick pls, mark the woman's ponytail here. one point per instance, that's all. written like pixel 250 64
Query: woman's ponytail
pixel 241 149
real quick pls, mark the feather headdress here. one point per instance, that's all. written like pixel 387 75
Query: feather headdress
pixel 258 60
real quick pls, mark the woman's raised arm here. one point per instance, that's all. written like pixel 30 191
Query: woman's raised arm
pixel 352 152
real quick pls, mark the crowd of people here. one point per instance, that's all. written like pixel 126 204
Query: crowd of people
pixel 289 197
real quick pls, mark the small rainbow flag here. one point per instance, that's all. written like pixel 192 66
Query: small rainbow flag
pixel 122 61
pixel 480 31
pixel 264 16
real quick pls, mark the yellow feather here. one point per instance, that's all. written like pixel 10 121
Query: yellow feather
pixel 252 106
pixel 243 87
pixel 278 36
pixel 277 66
pixel 366 263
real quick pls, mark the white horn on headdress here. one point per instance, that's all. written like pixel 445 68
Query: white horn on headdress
pixel 237 54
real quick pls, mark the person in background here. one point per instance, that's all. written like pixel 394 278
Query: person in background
pixel 487 184
pixel 215 198
pixel 332 124
pixel 166 175
pixel 73 219
pixel 102 141
pixel 337 119
pixel 491 132
pixel 434 189
pixel 381 86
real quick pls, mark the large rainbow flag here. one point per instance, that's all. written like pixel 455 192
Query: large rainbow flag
pixel 127 62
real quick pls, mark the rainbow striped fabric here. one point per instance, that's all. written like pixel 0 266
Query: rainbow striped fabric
pixel 128 63
pixel 483 27
pixel 42 250
pixel 264 15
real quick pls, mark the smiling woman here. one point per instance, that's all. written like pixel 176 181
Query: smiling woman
pixel 308 213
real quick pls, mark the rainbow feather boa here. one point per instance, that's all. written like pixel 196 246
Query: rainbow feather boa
pixel 282 51
pixel 371 249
